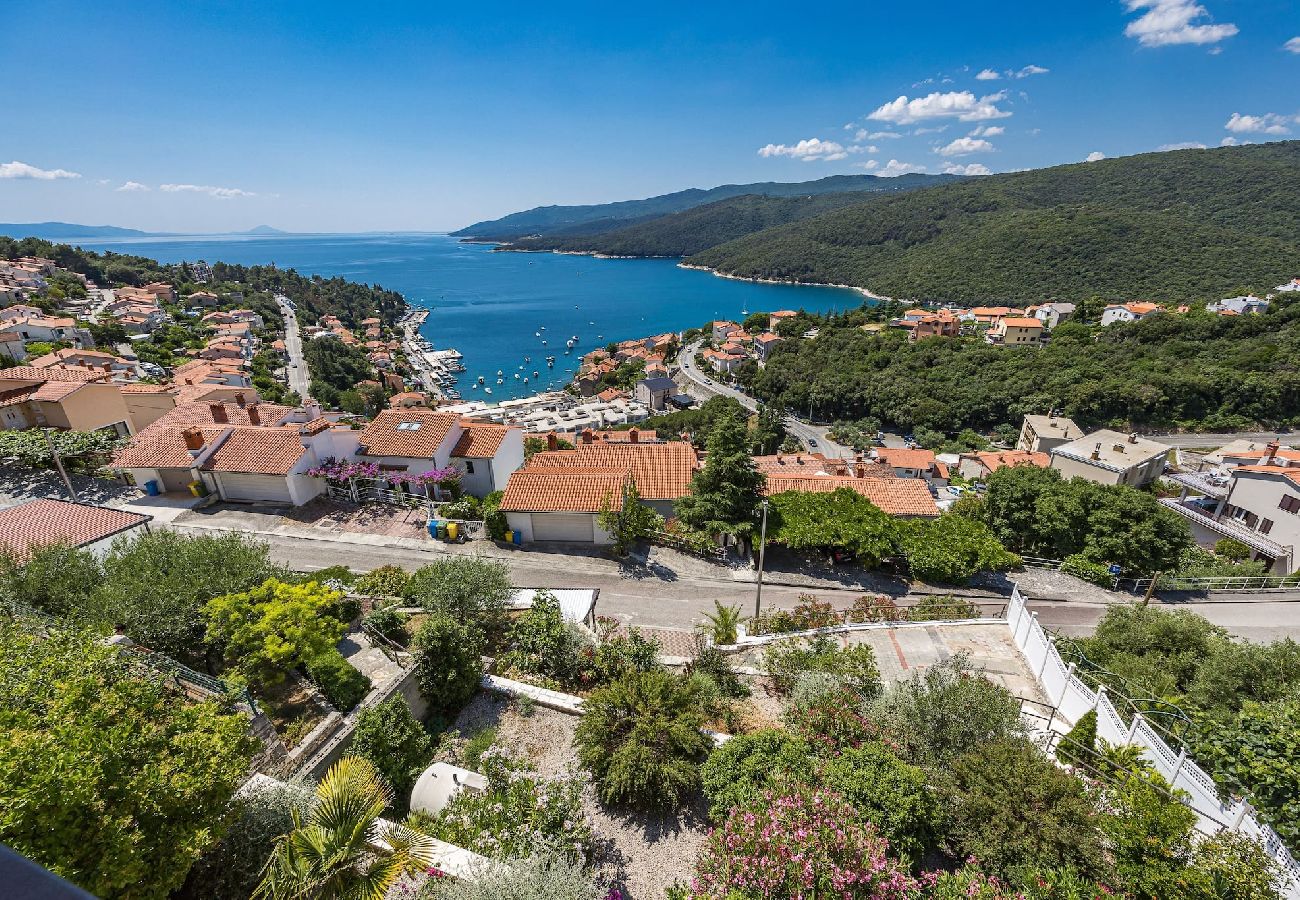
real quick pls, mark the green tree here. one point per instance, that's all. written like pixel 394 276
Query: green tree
pixel 841 520
pixel 1079 744
pixel 630 521
pixel 887 792
pixel 1232 549
pixel 395 743
pixel 541 642
pixel 335 851
pixel 640 739
pixel 351 401
pixel 107 778
pixel 1150 837
pixel 474 590
pixel 724 495
pixel 724 623
pixel 274 627
pixel 55 579
pixel 447 662
pixel 737 773
pixel 769 430
pixel 951 549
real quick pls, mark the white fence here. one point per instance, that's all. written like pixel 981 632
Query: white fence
pixel 1072 698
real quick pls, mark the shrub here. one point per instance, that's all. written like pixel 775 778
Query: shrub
pixel 873 608
pixel 741 770
pixel 724 623
pixel 937 608
pixel 804 844
pixel 640 739
pixel 513 814
pixel 1149 835
pixel 466 508
pixel 625 654
pixel 1079 744
pixel 447 663
pixel 832 719
pixel 386 581
pixel 885 791
pixel 542 875
pixel 343 686
pixel 854 665
pixel 542 643
pixel 494 520
pixel 1083 568
pixel 395 743
pixel 711 663
pixel 945 711
pixel 471 589
pixel 386 621
pixel 471 754
pixel 1007 805
pixel 808 613
pixel 274 627
pixel 337 577
pixel 1231 549
pixel 950 549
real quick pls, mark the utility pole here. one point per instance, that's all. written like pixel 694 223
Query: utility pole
pixel 762 548
pixel 1151 589
pixel 58 462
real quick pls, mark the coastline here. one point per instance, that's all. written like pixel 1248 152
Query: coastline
pixel 878 298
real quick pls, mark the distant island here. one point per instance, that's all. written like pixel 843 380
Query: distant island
pixel 65 231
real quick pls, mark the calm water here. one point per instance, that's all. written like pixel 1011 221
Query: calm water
pixel 491 306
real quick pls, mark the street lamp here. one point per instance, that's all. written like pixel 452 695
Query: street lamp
pixel 762 546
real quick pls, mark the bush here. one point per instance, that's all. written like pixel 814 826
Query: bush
pixel 885 791
pixel 873 608
pixel 1079 745
pixel 625 654
pixel 1007 805
pixel 945 711
pixel 854 665
pixel 808 613
pixel 1231 549
pixel 337 577
pixel 640 739
pixel 386 621
pixel 494 520
pixel 804 844
pixel 513 815
pixel 386 581
pixel 448 664
pixel 395 743
pixel 950 549
pixel 741 770
pixel 466 508
pixel 541 643
pixel 1083 568
pixel 711 663
pixel 938 608
pixel 543 875
pixel 343 686
pixel 830 718
pixel 472 590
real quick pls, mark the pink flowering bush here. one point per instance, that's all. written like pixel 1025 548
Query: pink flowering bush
pixel 832 720
pixel 806 844
pixel 340 471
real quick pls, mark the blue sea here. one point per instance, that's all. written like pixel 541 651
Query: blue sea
pixel 498 308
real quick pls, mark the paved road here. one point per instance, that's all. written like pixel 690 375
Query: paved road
pixel 811 436
pixel 1188 441
pixel 297 366
pixel 653 598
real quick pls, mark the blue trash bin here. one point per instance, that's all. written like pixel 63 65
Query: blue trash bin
pixel 433 528
pixel 519 538
pixel 151 488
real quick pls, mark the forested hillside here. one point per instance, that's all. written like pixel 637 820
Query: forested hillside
pixel 601 217
pixel 1182 225
pixel 1196 371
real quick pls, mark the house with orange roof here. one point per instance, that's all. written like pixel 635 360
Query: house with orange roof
pixel 722 328
pixel 723 362
pixel 912 462
pixel 1015 331
pixel 1133 311
pixel 70 398
pixel 38 523
pixel 86 359
pixel 908 498
pixel 978 466
pixel 776 318
pixel 408 400
pixel 419 440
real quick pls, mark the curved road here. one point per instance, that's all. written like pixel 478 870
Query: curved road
pixel 811 436
pixel 296 369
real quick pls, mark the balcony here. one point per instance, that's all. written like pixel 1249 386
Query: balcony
pixel 1230 528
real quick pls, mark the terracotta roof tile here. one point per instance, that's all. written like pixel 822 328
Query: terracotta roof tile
pixel 37 522
pixel 563 490
pixel 31 373
pixel 257 451
pixel 997 460
pixel 391 433
pixel 896 496
pixel 480 441
pixel 661 471
pixel 905 458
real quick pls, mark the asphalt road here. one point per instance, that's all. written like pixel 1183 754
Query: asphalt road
pixel 1189 441
pixel 297 366
pixel 812 437
pixel 654 598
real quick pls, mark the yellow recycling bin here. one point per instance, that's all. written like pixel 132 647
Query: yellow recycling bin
pixel 453 528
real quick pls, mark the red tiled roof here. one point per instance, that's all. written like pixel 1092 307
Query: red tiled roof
pixel 257 451
pixel 37 522
pixel 18 395
pixel 905 458
pixel 162 444
pixel 480 441
pixel 896 496
pixel 383 437
pixel 31 373
pixel 1000 459
pixel 53 391
pixel 1290 473
pixel 535 489
pixel 661 471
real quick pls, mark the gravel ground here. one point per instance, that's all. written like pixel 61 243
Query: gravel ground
pixel 640 854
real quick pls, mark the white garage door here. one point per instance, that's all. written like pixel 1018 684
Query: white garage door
pixel 574 528
pixel 255 487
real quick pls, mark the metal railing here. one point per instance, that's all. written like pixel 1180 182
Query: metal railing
pixel 1040 562
pixel 1223 583
pixel 697 548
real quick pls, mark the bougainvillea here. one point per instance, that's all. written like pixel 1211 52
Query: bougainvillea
pixel 444 475
pixel 342 470
pixel 802 844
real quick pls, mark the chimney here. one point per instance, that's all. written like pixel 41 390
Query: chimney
pixel 193 439
pixel 82 363
pixel 1272 448
pixel 552 442
pixel 632 436
pixel 239 399
pixel 218 413
pixel 312 409
pixel 254 417
pixel 1096 452
pixel 587 436
pixel 859 468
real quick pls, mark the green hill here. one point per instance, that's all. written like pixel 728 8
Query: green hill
pixel 1180 225
pixel 601 217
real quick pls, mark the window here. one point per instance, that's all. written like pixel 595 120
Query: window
pixel 1289 504
pixel 1265 526
pixel 469 467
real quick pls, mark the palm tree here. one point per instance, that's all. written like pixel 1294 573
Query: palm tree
pixel 724 623
pixel 342 850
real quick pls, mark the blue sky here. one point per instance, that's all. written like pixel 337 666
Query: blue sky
pixel 333 116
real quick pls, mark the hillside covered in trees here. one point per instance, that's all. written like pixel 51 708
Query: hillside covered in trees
pixel 1184 225
pixel 315 296
pixel 1197 371
pixel 568 221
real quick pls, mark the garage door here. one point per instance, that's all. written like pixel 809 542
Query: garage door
pixel 254 487
pixel 563 527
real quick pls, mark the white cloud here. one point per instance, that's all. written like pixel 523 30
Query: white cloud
pixel 1168 22
pixel 18 169
pixel 864 148
pixel 134 186
pixel 1268 123
pixel 965 145
pixel 961 105
pixel 894 168
pixel 993 75
pixel 1231 141
pixel 987 75
pixel 939 129
pixel 808 150
pixel 1094 156
pixel 1030 70
pixel 1292 45
pixel 1182 145
pixel 883 135
pixel 220 193
pixel 869 164
pixel 988 131
pixel 971 169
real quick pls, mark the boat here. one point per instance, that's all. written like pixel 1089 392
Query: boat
pixel 537 334
pixel 525 381
pixel 528 359
pixel 516 374
pixel 550 361
pixel 543 343
pixel 480 379
pixel 501 381
pixel 499 373
pixel 487 390
pixel 534 373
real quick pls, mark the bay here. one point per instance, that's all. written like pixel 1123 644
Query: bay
pixel 498 308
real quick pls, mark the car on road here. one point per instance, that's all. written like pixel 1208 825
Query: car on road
pixel 708 381
pixel 812 442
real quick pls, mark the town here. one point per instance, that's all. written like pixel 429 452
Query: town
pixel 263 504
